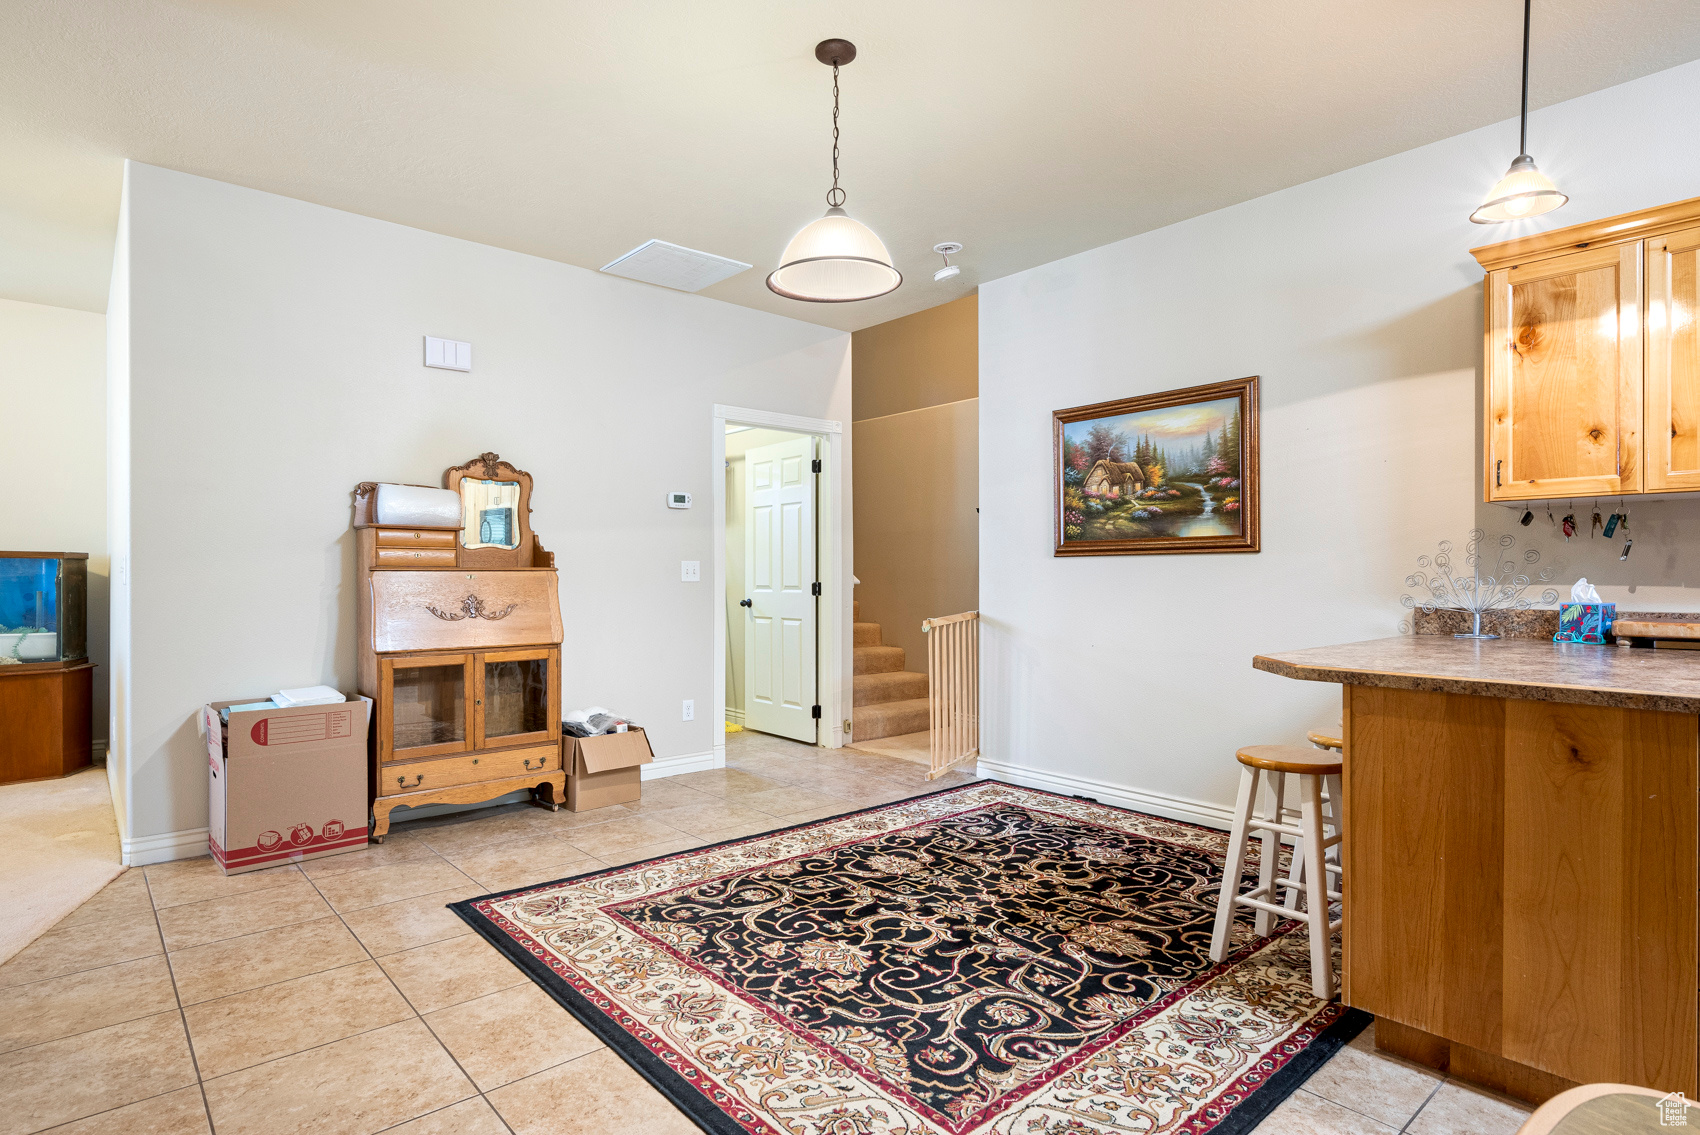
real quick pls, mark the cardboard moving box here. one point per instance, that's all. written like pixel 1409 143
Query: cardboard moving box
pixel 605 770
pixel 286 784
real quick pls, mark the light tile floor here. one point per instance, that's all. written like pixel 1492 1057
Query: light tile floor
pixel 340 997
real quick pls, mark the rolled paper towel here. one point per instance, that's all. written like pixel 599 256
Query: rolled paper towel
pixel 1584 592
pixel 414 506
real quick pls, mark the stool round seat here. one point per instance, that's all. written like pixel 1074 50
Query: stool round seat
pixel 1290 758
pixel 1325 740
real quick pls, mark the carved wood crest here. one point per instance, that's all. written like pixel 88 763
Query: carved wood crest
pixel 472 607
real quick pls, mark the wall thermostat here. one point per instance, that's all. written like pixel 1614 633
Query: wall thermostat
pixel 678 500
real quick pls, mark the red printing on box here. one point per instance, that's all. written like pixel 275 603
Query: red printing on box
pixel 285 848
pixel 302 729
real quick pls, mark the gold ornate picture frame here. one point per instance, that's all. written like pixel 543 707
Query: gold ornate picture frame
pixel 1167 473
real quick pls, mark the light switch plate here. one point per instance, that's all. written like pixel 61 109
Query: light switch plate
pixel 690 571
pixel 448 354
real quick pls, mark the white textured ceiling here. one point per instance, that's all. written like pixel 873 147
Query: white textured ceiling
pixel 576 130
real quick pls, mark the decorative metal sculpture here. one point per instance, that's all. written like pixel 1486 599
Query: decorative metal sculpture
pixel 1496 580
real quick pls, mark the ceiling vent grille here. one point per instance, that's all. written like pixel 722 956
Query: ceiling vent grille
pixel 673 266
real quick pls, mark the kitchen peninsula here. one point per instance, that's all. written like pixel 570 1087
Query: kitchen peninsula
pixel 1522 856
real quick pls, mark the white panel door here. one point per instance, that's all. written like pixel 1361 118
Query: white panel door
pixel 779 577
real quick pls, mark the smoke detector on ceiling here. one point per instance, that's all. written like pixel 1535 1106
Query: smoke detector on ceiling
pixel 947 249
pixel 674 266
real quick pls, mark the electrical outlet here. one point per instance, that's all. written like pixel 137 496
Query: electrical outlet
pixel 690 710
pixel 690 571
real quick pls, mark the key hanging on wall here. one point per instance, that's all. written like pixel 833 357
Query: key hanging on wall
pixel 1612 522
pixel 1550 520
pixel 1596 524
pixel 1528 515
pixel 1628 540
pixel 1568 524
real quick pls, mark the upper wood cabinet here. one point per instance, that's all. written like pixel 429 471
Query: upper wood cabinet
pixel 1673 361
pixel 1591 364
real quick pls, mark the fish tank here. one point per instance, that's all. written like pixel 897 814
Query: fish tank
pixel 44 607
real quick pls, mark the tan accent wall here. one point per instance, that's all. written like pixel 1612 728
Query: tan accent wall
pixel 917 531
pixel 925 359
pixel 915 387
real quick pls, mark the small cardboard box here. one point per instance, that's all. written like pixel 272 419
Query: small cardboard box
pixel 286 784
pixel 1585 622
pixel 607 769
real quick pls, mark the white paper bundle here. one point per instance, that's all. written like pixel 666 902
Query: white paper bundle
pixel 308 695
pixel 413 506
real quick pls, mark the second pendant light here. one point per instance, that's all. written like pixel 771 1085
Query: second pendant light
pixel 1524 191
pixel 836 259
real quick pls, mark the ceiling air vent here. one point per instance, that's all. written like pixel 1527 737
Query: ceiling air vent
pixel 671 266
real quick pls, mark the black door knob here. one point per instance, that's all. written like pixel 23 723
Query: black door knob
pixel 746 602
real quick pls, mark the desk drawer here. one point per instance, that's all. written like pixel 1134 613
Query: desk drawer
pixel 415 538
pixel 413 557
pixel 469 768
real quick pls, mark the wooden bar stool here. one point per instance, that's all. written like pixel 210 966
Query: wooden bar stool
pixel 1316 833
pixel 1330 794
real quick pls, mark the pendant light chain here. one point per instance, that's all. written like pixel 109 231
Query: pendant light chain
pixel 1523 128
pixel 835 195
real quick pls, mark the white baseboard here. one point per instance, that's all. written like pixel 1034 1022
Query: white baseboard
pixel 117 795
pixel 690 762
pixel 735 716
pixel 143 850
pixel 1138 799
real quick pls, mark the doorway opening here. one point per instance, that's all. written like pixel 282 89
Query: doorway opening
pixel 783 647
pixel 772 586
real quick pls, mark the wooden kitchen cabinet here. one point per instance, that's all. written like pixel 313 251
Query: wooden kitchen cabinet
pixel 1673 361
pixel 1591 359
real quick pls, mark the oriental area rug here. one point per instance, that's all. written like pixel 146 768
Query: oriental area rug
pixel 983 959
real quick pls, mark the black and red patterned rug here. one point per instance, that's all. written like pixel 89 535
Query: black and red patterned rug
pixel 983 959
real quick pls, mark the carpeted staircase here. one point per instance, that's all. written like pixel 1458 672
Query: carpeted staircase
pixel 890 700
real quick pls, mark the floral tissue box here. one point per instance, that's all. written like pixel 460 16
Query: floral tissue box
pixel 1585 622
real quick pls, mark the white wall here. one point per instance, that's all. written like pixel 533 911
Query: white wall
pixel 53 387
pixel 1356 300
pixel 274 361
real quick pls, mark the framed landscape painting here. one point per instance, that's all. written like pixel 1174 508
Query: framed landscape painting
pixel 1161 473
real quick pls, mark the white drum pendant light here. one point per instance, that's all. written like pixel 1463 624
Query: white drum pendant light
pixel 835 259
pixel 1524 191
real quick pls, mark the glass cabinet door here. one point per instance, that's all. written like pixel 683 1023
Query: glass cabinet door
pixel 513 700
pixel 428 706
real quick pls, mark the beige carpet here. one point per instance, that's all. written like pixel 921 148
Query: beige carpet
pixel 61 846
pixel 915 747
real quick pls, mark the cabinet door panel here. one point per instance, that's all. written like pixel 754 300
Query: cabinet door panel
pixel 1564 376
pixel 517 700
pixel 1673 362
pixel 424 706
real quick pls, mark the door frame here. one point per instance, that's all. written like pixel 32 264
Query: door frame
pixel 834 634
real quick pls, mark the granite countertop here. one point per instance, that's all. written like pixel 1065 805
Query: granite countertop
pixel 1505 668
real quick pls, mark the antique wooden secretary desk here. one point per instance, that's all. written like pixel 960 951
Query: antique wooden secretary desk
pixel 460 644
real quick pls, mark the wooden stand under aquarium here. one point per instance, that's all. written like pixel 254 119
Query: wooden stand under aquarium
pixel 460 649
pixel 46 678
